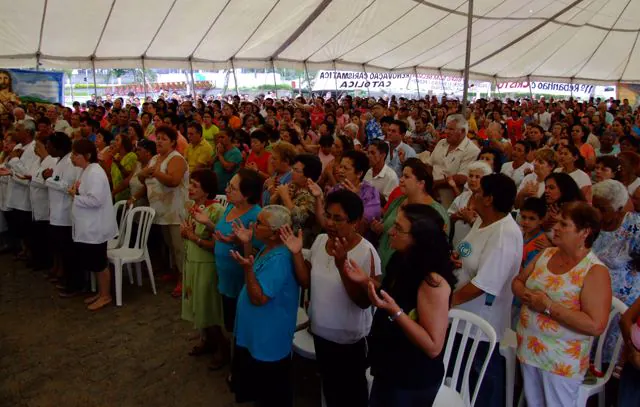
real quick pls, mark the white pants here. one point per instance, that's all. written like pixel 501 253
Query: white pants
pixel 546 389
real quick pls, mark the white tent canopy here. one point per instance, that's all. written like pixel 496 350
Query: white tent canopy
pixel 562 40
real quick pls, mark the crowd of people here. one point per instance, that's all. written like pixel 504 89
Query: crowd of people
pixel 376 215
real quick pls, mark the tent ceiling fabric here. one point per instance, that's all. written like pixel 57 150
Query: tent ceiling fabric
pixel 579 40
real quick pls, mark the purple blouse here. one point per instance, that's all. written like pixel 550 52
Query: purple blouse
pixel 370 199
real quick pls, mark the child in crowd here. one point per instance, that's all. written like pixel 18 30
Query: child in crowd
pixel 326 142
pixel 531 217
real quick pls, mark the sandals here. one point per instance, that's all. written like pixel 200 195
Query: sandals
pixel 99 304
pixel 202 348
pixel 218 362
pixel 91 300
pixel 68 294
pixel 177 292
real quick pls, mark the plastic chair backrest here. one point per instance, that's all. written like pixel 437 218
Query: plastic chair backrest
pixel 474 327
pixel 121 208
pixel 144 218
pixel 617 308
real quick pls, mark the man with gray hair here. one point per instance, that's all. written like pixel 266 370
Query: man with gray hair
pixel 450 158
pixel 266 313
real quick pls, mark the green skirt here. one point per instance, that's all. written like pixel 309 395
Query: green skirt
pixel 201 301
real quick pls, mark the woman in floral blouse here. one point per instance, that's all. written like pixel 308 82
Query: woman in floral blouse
pixel 297 197
pixel 201 300
pixel 124 162
pixel 618 247
pixel 566 297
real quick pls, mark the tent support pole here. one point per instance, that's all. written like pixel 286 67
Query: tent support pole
pixel 364 69
pixel 415 73
pixel 444 92
pixel 306 74
pixel 467 57
pixel 275 84
pixel 530 91
pixel 571 87
pixel 335 78
pixel 193 83
pixel 93 69
pixel 144 79
pixel 235 79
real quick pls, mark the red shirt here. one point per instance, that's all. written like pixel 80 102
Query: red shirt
pixel 261 161
pixel 514 129
pixel 317 117
pixel 395 194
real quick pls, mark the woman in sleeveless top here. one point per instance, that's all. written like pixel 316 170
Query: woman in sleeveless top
pixel 566 296
pixel 166 179
pixel 410 325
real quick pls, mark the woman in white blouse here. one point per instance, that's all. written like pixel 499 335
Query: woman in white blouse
pixel 572 163
pixel 58 181
pixel 93 220
pixel 166 179
pixel 340 312
pixel 39 196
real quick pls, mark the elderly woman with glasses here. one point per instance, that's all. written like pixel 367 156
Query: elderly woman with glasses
pixel 617 245
pixel 243 194
pixel 266 313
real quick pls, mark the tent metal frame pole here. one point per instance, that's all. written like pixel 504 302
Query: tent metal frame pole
pixel 571 87
pixel 415 73
pixel 275 84
pixel 467 57
pixel 444 91
pixel 193 82
pixel 364 69
pixel 93 70
pixel 306 74
pixel 144 79
pixel 235 79
pixel 530 91
pixel 335 79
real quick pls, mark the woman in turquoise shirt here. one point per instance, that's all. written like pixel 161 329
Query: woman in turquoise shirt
pixel 243 194
pixel 266 317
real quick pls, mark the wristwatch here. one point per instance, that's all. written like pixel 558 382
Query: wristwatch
pixel 395 316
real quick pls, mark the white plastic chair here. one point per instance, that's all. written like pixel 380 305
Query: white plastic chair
pixel 508 346
pixel 133 252
pixel 303 346
pixel 588 390
pixel 121 208
pixel 474 327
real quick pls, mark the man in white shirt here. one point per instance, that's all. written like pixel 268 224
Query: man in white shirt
pixel 490 257
pixel 20 115
pixel 20 167
pixel 380 175
pixel 398 150
pixel 58 125
pixel 451 157
pixel 542 117
pixel 591 138
pixel 519 167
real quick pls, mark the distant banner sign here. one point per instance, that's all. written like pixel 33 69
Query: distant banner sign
pixel 552 88
pixel 389 81
pixel 33 86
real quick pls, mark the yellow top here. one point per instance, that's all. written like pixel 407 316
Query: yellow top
pixel 199 156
